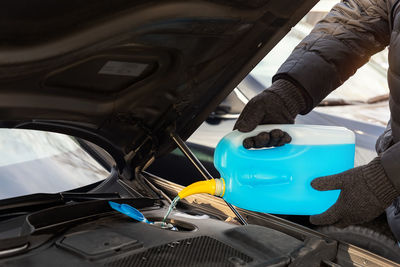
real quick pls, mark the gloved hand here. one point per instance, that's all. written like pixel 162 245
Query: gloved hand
pixel 275 137
pixel 279 104
pixel 366 192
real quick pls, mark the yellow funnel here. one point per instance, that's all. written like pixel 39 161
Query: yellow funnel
pixel 214 187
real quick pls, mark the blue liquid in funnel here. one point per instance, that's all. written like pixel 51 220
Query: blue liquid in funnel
pixel 277 180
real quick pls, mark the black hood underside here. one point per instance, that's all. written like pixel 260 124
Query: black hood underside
pixel 124 74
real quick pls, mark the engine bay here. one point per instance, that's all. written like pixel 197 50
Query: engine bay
pixel 114 239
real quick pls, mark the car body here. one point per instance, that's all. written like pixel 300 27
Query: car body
pixel 136 78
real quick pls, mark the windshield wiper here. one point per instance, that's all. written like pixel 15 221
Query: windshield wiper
pixel 343 102
pixel 378 98
pixel 40 201
pixel 338 102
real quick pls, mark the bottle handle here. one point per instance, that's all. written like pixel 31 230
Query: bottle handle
pixel 244 136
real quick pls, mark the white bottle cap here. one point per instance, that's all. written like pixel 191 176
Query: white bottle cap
pixel 303 134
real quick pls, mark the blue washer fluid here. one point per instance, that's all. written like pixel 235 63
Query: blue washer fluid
pixel 277 180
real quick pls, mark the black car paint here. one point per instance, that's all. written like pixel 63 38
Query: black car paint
pixel 55 82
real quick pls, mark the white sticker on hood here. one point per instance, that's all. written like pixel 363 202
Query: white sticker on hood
pixel 121 68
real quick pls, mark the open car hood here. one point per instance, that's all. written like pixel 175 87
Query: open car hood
pixel 124 74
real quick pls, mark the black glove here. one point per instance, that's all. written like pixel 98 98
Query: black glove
pixel 275 137
pixel 279 104
pixel 366 192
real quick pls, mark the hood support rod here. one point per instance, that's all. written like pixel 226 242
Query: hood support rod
pixel 203 171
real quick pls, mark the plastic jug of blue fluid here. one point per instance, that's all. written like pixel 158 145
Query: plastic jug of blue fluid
pixel 277 180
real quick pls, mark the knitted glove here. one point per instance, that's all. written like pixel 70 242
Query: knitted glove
pixel 279 104
pixel 366 192
pixel 275 137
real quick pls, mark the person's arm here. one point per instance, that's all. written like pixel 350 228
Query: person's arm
pixel 341 43
pixel 337 46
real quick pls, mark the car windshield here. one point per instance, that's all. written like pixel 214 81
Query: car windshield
pixel 368 83
pixel 43 162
